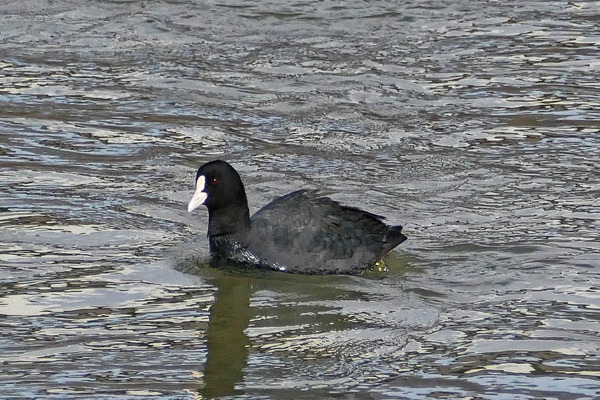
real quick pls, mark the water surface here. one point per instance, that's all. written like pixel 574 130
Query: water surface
pixel 473 125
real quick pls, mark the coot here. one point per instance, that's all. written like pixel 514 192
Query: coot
pixel 301 232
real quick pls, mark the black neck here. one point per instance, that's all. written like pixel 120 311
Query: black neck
pixel 228 220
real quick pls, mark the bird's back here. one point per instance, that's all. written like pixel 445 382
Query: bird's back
pixel 304 232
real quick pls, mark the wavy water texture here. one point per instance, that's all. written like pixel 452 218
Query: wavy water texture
pixel 473 125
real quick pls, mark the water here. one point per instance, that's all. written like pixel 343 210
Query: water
pixel 473 125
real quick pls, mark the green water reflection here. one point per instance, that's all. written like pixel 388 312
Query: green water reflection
pixel 227 342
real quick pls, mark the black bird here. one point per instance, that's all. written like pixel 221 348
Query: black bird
pixel 301 232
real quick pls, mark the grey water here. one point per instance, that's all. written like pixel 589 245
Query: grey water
pixel 475 125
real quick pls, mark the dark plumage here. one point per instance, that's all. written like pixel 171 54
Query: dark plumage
pixel 300 232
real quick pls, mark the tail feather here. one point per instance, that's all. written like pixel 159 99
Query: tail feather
pixel 393 238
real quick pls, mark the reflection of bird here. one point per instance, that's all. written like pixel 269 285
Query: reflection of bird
pixel 300 232
pixel 225 336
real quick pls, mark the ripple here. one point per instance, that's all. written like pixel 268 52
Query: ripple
pixel 476 129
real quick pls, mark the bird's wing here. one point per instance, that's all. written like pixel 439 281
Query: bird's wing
pixel 307 230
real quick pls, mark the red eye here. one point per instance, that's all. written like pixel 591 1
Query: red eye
pixel 214 181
